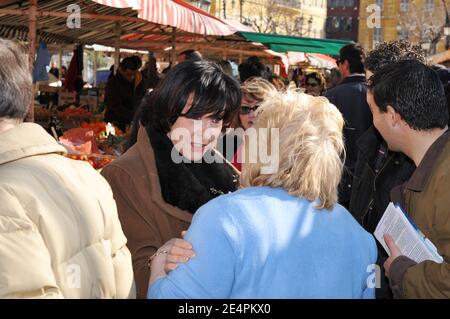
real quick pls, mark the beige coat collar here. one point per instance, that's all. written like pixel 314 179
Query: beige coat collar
pixel 25 140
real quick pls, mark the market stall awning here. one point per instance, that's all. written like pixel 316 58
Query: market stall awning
pixel 116 23
pixel 285 43
pixel 122 4
pixel 175 13
pixel 239 26
pixel 317 60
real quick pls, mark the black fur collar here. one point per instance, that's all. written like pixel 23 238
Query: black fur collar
pixel 189 185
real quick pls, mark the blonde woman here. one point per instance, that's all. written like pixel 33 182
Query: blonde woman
pixel 283 235
pixel 254 90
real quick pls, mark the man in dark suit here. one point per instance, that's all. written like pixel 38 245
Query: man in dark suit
pixel 378 170
pixel 350 98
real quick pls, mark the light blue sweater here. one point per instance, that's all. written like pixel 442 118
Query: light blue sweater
pixel 261 242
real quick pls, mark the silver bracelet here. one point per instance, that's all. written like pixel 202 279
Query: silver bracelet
pixel 162 252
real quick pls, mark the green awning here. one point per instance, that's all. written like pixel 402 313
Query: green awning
pixel 285 43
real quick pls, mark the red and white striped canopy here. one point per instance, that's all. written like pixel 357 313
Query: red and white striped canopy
pixel 174 13
pixel 134 4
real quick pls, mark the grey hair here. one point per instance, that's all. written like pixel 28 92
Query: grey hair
pixel 15 81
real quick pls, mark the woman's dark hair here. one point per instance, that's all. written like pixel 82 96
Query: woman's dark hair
pixel 355 56
pixel 213 93
pixel 414 91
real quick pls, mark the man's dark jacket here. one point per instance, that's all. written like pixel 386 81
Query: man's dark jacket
pixel 121 98
pixel 371 191
pixel 350 98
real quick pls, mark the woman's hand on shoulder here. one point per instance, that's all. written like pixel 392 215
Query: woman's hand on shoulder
pixel 178 251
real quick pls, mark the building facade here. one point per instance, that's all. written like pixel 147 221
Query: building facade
pixel 419 21
pixel 342 20
pixel 291 17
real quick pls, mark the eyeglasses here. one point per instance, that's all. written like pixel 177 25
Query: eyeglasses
pixel 247 109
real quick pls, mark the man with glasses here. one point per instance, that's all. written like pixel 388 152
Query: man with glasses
pixel 350 98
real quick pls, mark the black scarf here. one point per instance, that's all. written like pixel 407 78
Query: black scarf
pixel 189 185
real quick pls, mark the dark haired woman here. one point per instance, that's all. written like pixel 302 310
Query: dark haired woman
pixel 161 181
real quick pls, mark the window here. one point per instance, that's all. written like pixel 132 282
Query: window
pixel 299 24
pixel 404 5
pixel 377 36
pixel 348 24
pixel 336 24
pixel 350 3
pixel 429 5
pixel 328 25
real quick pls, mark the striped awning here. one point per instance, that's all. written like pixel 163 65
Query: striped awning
pixel 174 13
pixel 122 4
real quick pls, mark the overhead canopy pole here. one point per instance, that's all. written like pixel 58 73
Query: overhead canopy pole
pixel 95 66
pixel 32 21
pixel 60 63
pixel 174 44
pixel 32 18
pixel 117 48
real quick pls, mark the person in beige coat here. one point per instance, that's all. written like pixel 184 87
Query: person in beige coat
pixel 60 236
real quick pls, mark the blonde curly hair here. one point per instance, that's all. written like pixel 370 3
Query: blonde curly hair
pixel 310 149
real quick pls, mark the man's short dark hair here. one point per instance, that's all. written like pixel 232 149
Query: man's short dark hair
pixel 15 81
pixel 138 61
pixel 438 67
pixel 130 63
pixel 355 56
pixel 444 75
pixel 414 91
pixel 392 52
pixel 253 67
pixel 192 55
pixel 214 93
